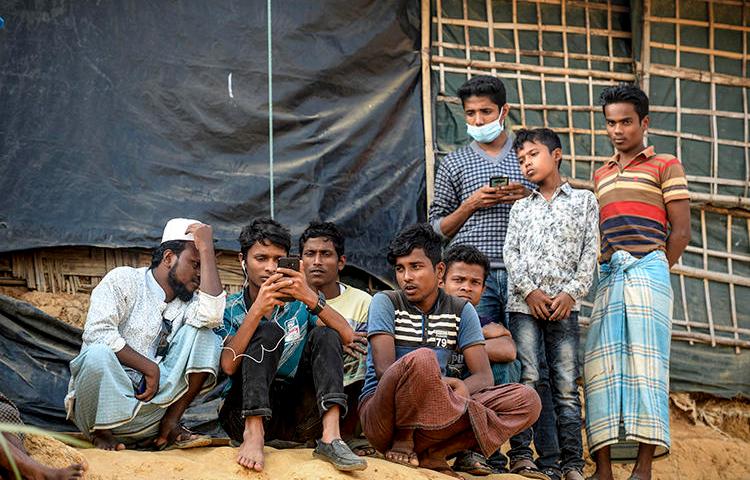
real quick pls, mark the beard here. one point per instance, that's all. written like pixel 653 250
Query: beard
pixel 180 289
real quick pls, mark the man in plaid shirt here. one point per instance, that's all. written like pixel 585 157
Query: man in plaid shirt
pixel 466 209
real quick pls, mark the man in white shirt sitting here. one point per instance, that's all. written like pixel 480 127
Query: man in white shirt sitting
pixel 148 348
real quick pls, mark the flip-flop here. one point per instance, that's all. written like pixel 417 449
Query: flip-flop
pixel 361 444
pixel 527 468
pixel 472 463
pixel 193 440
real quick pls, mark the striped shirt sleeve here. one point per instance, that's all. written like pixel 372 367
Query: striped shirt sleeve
pixel 673 182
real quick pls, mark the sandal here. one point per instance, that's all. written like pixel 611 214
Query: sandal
pixel 526 468
pixel 186 439
pixel 472 463
pixel 361 447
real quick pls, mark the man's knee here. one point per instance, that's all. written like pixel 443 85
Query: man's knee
pixel 421 359
pixel 529 400
pixel 267 334
pixel 324 336
pixel 99 358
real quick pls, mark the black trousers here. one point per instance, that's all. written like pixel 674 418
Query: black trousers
pixel 292 408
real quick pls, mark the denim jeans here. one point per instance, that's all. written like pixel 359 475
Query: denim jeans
pixel 495 297
pixel 545 429
pixel 560 340
pixel 292 408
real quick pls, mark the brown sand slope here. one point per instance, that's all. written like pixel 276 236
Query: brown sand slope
pixel 699 452
pixel 218 463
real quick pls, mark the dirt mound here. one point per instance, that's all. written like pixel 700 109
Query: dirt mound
pixel 70 308
pixel 730 417
pixel 51 452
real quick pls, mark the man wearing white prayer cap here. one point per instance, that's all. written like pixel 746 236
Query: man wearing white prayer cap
pixel 148 348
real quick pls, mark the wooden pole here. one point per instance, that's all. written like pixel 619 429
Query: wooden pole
pixel 429 149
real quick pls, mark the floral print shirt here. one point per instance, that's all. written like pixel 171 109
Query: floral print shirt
pixel 551 245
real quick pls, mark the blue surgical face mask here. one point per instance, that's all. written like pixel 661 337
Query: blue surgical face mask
pixel 487 132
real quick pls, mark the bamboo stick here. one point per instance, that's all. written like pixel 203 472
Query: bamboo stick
pixel 534 53
pixel 429 154
pixel 530 27
pixel 484 64
pixel 698 75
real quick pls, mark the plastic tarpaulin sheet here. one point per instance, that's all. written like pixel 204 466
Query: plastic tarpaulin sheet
pixel 35 352
pixel 119 116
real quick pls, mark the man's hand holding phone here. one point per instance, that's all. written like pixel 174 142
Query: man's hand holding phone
pixel 298 289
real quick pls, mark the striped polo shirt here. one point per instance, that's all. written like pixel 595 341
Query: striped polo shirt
pixel 451 325
pixel 632 202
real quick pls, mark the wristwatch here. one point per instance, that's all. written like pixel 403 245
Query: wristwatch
pixel 319 306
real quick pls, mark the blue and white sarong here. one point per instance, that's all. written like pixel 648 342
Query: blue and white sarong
pixel 104 396
pixel 626 360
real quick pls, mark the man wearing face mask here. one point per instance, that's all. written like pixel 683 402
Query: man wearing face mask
pixel 466 209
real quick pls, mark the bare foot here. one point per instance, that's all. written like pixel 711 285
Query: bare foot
pixel 250 454
pixel 402 449
pixel 106 441
pixel 68 473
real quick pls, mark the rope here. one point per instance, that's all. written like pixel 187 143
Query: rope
pixel 270 110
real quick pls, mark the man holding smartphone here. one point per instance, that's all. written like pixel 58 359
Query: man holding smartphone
pixel 476 185
pixel 280 362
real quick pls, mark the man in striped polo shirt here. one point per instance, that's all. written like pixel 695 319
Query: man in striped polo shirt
pixel 645 226
pixel 409 409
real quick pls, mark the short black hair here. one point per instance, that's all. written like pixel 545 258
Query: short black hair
pixel 483 86
pixel 327 230
pixel 177 246
pixel 264 231
pixel 545 136
pixel 626 93
pixel 420 235
pixel 467 254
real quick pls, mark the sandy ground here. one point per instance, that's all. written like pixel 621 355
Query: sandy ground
pixel 711 440
pixel 699 452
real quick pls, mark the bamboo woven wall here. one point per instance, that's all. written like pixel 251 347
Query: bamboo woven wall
pixel 80 269
pixel 555 57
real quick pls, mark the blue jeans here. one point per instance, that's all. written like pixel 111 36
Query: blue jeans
pixel 495 297
pixel 560 340
pixel 545 429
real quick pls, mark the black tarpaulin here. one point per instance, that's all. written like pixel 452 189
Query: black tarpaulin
pixel 119 116
pixel 35 352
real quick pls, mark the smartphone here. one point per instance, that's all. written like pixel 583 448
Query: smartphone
pixel 292 263
pixel 498 181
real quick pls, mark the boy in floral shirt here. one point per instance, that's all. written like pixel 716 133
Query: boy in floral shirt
pixel 550 253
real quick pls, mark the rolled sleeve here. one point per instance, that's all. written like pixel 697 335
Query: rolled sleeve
pixel 108 307
pixel 207 310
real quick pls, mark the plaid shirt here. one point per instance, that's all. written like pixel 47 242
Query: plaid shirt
pixel 462 173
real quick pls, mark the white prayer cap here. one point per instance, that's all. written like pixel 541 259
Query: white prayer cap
pixel 175 230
